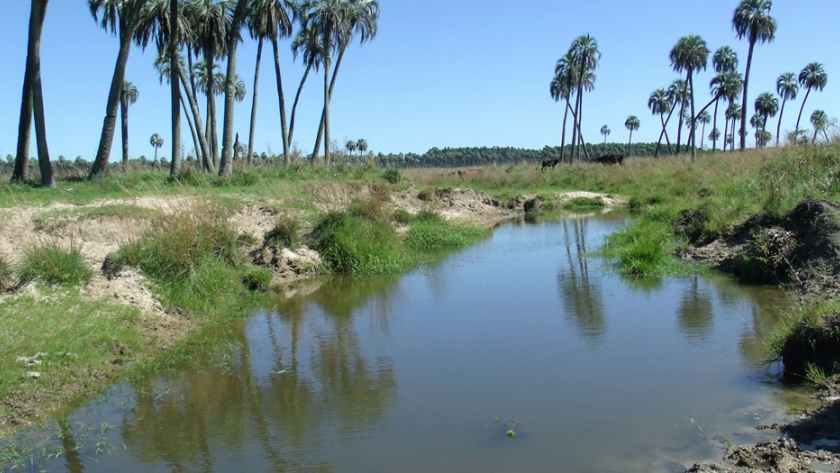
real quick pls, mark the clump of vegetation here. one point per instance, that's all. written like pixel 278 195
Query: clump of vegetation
pixel 286 232
pixel 52 264
pixel 348 242
pixel 257 279
pixel 808 342
pixel 402 216
pixel 768 258
pixel 643 248
pixel 584 203
pixel 6 274
pixel 429 231
pixel 392 175
pixel 369 209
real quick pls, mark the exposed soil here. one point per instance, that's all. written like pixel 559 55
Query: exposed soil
pixel 800 251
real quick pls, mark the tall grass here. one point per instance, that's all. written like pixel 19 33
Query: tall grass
pixel 52 264
pixel 429 232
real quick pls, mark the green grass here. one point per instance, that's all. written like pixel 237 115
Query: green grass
pixel 52 264
pixel 584 203
pixel 286 232
pixel 430 232
pixel 78 342
pixel 643 248
pixel 352 244
pixel 7 274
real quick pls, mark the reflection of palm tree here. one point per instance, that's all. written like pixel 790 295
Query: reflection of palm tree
pixel 581 295
pixel 695 314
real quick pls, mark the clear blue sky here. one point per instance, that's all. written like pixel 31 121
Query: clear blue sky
pixel 439 73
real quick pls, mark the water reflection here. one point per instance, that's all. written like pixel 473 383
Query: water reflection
pixel 694 313
pixel 292 375
pixel 581 295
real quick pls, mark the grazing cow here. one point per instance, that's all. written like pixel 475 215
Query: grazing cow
pixel 609 159
pixel 468 172
pixel 549 162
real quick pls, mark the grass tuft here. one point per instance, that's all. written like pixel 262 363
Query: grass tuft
pixel 52 264
pixel 430 231
pixel 286 232
pixel 643 248
pixel 6 274
pixel 351 244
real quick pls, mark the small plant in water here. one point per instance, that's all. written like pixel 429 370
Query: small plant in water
pixel 511 433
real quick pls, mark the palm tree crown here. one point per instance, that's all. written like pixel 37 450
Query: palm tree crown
pixel 690 54
pixel 787 87
pixel 752 20
pixel 812 77
pixel 725 60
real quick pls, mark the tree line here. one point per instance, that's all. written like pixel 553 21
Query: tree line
pixel 574 75
pixel 192 38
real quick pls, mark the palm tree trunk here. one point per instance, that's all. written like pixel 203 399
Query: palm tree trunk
pixel 212 135
pixel 226 165
pixel 714 125
pixel 563 139
pixel 196 144
pixel 124 129
pixel 202 138
pixel 36 23
pixel 174 90
pixel 254 102
pixel 100 164
pixel 284 129
pixel 664 132
pixel 326 119
pixel 574 131
pixel 779 126
pixel 679 126
pixel 744 107
pixel 47 179
pixel 190 65
pixel 629 142
pixel 297 99
pixel 808 92
pixel 332 87
pixel 693 123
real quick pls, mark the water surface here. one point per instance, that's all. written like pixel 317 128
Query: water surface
pixel 420 372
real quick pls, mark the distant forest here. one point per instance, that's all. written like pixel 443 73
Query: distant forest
pixel 484 156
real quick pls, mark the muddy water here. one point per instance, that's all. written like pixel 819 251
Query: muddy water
pixel 422 372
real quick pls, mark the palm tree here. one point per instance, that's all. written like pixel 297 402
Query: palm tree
pixel 210 22
pixel 605 130
pixel 561 88
pixel 787 88
pixel 726 85
pixel 660 104
pixel 586 54
pixel 362 146
pixel 233 38
pixel 306 44
pixel 632 124
pixel 767 105
pixel 714 135
pixel 678 95
pixel 725 60
pixel 32 101
pixel 335 22
pixel 813 76
pixel 752 20
pixel 270 19
pixel 157 142
pixel 350 146
pixel 820 121
pixel 757 122
pixel 690 54
pixel 127 98
pixel 120 17
pixel 164 20
pixel 705 119
pixel 733 112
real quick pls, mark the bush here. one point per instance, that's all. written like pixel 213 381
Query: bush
pixel 392 175
pixel 286 232
pixel 644 248
pixel 177 244
pixel 351 244
pixel 257 279
pixel 370 209
pixel 402 216
pixel 52 264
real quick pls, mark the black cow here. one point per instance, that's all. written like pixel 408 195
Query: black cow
pixel 609 159
pixel 549 163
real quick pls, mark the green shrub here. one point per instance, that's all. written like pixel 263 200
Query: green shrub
pixel 370 209
pixel 350 244
pixel 392 175
pixel 402 216
pixel 52 264
pixel 177 244
pixel 257 279
pixel 428 216
pixel 643 248
pixel 286 232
